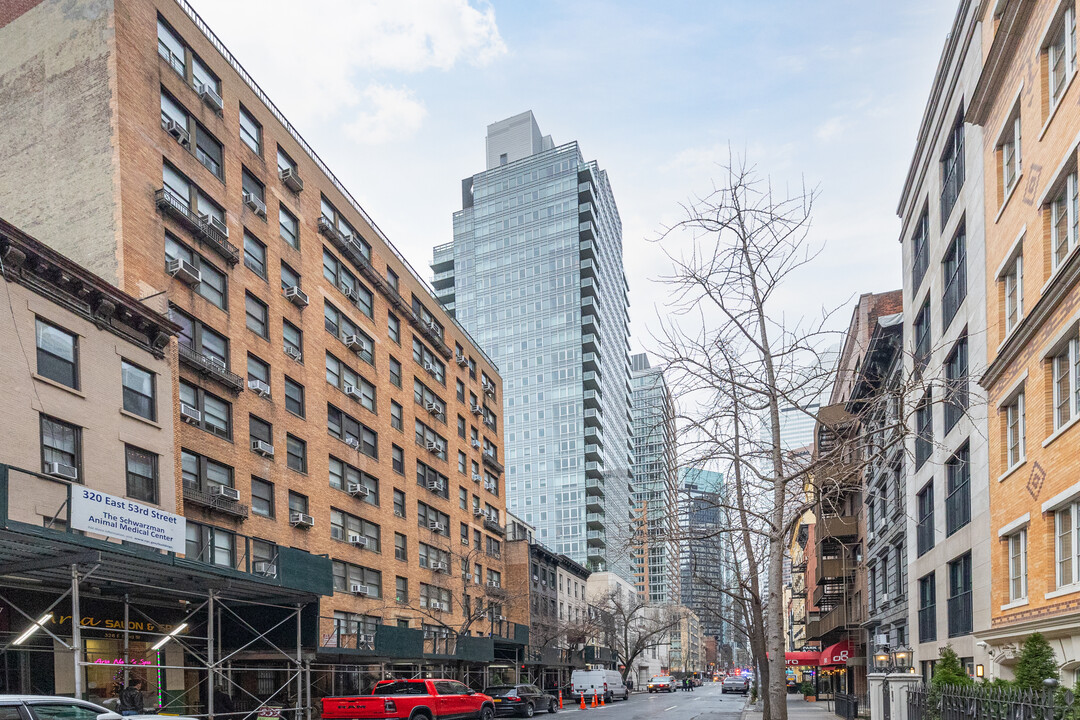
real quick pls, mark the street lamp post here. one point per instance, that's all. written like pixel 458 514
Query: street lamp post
pixel 886 661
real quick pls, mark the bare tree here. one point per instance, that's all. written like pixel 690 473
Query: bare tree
pixel 630 625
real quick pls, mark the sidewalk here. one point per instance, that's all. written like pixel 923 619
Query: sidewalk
pixel 798 709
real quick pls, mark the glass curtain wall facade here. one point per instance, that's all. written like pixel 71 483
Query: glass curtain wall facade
pixel 706 563
pixel 656 557
pixel 535 271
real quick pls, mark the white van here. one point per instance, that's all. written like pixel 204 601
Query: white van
pixel 608 683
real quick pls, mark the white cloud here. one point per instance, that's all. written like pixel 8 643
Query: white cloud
pixel 325 51
pixel 391 114
pixel 831 129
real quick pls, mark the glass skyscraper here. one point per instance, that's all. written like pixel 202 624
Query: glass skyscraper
pixel 656 497
pixel 706 562
pixel 535 273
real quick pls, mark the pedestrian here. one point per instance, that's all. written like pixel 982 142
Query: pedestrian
pixel 223 702
pixel 131 699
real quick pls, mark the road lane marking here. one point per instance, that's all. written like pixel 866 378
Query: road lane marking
pixel 670 708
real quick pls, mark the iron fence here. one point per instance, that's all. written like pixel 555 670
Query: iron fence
pixel 846 706
pixel 989 702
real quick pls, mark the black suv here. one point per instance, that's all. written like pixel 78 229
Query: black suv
pixel 523 700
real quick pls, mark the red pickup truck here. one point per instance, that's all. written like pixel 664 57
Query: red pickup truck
pixel 412 700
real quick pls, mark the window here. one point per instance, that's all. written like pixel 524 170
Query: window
pixel 1009 149
pixel 1018 566
pixel 460 391
pixel 429 439
pixel 402 595
pixel 1065 367
pixel 203 77
pixel 431 596
pixel 920 251
pixel 340 326
pixel 958 489
pixel 344 475
pixel 395 371
pixel 57 354
pixel 298 503
pixel 139 395
pixel 401 547
pixel 294 397
pixel 392 279
pixel 461 427
pixel 142 474
pixel 284 162
pixel 432 403
pixel 211 545
pixel 429 517
pixel 254 189
pixel 344 527
pixel 199 339
pixel 1061 56
pixel 215 414
pixel 927 609
pixel 347 577
pixel 262 497
pixel 394 327
pixel 337 273
pixel 296 451
pixel 293 339
pixel 952 169
pixel 1014 294
pixel 1014 431
pixel 955 274
pixel 250 131
pixel 396 420
pixel 1067 544
pixel 1063 221
pixel 463 498
pixel 289 277
pixel 214 284
pixel 353 432
pixel 202 473
pixel 258 370
pixel 259 429
pixel 171 47
pixel 254 255
pixel 206 148
pixel 427 360
pixel 429 556
pixel 344 378
pixel 956 383
pixel 921 330
pixel 960 619
pixel 433 480
pixel 398 460
pixel 289 227
pixel 399 503
pixel 339 223
pixel 461 462
pixel 256 316
pixel 924 430
pixel 924 502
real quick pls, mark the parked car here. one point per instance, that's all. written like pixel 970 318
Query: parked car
pixel 410 699
pixel 50 707
pixel 735 683
pixel 608 683
pixel 662 683
pixel 523 700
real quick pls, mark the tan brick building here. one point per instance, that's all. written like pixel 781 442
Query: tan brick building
pixel 1026 104
pixel 324 401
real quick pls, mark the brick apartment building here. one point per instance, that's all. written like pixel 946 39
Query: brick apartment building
pixel 1026 105
pixel 323 399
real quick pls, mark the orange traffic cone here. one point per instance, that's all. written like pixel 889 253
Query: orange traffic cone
pixel 601 701
pixel 560 699
pixel 594 698
pixel 583 706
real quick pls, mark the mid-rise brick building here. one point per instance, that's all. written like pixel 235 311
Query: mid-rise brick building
pixel 324 400
pixel 1026 106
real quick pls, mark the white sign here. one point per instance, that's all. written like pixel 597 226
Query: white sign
pixel 123 519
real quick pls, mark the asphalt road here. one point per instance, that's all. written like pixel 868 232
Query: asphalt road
pixel 705 703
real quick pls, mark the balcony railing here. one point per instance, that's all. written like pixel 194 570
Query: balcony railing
pixel 206 499
pixel 928 623
pixel 958 508
pixel 211 368
pixel 178 209
pixel 494 526
pixel 492 462
pixel 924 534
pixel 960 614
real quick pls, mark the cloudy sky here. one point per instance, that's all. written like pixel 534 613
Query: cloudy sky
pixel 396 95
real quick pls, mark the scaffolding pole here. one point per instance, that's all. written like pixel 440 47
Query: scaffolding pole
pixel 76 631
pixel 210 654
